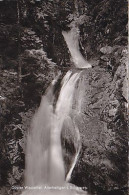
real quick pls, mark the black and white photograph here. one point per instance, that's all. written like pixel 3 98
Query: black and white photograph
pixel 64 97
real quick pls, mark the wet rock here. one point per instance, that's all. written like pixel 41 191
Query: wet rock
pixel 16 173
pixel 104 58
pixel 11 180
pixel 112 112
pixel 106 50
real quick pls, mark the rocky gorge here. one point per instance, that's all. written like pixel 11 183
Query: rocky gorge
pixel 33 51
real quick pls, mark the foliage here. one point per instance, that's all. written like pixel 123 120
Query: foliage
pixel 32 51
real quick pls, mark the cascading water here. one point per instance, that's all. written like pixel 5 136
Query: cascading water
pixel 44 160
pixel 72 39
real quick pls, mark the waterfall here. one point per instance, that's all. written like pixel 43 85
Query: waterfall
pixel 72 39
pixel 62 110
pixel 44 160
pixel 68 176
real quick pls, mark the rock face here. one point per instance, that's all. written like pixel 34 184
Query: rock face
pixel 100 103
pixel 101 117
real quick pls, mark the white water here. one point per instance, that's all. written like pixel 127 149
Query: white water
pixel 78 148
pixel 44 160
pixel 72 39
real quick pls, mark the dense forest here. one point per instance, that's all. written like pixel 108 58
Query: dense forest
pixel 32 52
